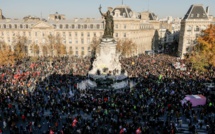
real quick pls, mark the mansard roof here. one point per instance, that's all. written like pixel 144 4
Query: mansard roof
pixel 125 11
pixel 196 12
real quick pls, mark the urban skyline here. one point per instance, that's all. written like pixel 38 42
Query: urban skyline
pixel 73 9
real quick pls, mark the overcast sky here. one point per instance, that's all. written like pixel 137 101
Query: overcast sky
pixel 89 8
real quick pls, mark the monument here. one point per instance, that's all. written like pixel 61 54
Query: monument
pixel 107 59
pixel 106 72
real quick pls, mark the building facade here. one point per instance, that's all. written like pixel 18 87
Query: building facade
pixel 77 34
pixel 195 20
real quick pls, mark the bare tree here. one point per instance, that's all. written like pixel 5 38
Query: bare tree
pixel 126 47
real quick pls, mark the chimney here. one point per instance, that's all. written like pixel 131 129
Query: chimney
pixel 207 10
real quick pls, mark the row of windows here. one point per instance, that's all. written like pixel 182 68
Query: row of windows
pixel 195 28
pixel 70 40
pixel 79 26
pixel 67 26
pixel 64 34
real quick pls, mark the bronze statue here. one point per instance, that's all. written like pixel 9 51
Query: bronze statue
pixel 109 24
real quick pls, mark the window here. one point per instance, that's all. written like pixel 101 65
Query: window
pixel 21 26
pixel 4 26
pixel 76 34
pixel 79 26
pixel 197 15
pixel 82 34
pixel 10 26
pixel 73 26
pixel 197 29
pixel 91 26
pixel 70 34
pixel 98 26
pixel 88 34
pixel 82 41
pixel 124 35
pixel 70 41
pixel 94 34
pixel 61 26
pixel 85 26
pixel 26 26
pixel 76 41
pixel 124 26
pixel 191 15
pixel 67 26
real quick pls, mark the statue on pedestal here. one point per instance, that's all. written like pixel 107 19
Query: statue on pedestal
pixel 109 24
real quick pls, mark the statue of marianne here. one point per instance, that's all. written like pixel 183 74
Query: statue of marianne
pixel 109 24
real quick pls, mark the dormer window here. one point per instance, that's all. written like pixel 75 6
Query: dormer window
pixel 124 14
pixel 191 15
pixel 197 15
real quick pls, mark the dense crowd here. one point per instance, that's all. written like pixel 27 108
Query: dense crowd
pixel 42 97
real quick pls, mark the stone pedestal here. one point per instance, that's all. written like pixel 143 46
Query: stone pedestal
pixel 107 60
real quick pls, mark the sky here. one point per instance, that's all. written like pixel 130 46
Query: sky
pixel 89 8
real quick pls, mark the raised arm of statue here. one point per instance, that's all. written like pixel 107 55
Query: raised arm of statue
pixel 100 10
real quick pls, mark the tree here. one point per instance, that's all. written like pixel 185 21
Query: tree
pixel 94 45
pixel 44 50
pixel 35 49
pixel 61 49
pixel 55 46
pixel 7 56
pixel 126 47
pixel 20 48
pixel 204 52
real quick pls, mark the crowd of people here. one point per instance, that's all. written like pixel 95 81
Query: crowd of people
pixel 42 97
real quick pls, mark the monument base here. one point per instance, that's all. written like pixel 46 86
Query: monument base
pixel 107 60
